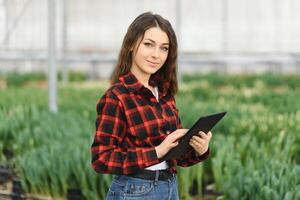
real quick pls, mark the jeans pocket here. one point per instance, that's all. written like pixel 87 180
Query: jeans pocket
pixel 138 187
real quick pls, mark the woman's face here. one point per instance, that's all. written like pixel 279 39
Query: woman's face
pixel 152 52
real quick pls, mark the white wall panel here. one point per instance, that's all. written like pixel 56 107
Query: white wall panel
pixel 99 25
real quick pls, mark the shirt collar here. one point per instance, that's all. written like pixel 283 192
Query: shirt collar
pixel 134 85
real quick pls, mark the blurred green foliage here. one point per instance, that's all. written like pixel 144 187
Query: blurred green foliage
pixel 21 79
pixel 255 151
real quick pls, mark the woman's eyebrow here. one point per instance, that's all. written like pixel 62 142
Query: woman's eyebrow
pixel 155 42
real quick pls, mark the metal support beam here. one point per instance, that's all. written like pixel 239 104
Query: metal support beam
pixel 179 37
pixel 52 75
pixel 224 25
pixel 64 29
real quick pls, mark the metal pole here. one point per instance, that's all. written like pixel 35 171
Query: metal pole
pixel 178 22
pixel 179 37
pixel 64 40
pixel 224 68
pixel 224 25
pixel 3 21
pixel 52 79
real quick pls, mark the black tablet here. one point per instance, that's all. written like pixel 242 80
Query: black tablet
pixel 204 123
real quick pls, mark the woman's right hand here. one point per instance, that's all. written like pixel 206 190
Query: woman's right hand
pixel 169 142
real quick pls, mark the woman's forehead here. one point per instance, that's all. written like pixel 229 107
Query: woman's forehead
pixel 156 35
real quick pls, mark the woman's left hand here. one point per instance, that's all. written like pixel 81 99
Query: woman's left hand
pixel 200 142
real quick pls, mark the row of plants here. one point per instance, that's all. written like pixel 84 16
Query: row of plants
pixel 50 151
pixel 247 169
pixel 17 79
pixel 258 138
pixel 254 149
pixel 245 81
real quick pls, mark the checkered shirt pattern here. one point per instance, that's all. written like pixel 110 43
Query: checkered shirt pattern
pixel 130 123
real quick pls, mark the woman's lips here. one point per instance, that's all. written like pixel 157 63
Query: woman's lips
pixel 152 63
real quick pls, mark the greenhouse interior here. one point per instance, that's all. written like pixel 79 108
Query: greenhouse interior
pixel 57 63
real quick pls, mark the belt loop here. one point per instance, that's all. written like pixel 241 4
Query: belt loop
pixel 156 177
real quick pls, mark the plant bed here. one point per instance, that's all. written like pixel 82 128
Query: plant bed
pixel 5 174
pixel 210 190
pixel 256 145
pixel 74 194
pixel 8 153
pixel 6 193
pixel 208 193
pixel 5 190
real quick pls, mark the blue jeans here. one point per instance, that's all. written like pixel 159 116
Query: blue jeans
pixel 129 188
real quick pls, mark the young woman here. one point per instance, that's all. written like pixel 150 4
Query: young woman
pixel 137 119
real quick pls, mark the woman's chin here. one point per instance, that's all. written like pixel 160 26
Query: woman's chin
pixel 151 69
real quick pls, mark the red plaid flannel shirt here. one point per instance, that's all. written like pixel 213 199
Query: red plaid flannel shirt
pixel 130 123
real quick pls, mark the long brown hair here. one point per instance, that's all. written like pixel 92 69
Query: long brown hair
pixel 136 31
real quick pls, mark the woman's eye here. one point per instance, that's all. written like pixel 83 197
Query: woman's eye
pixel 165 48
pixel 148 44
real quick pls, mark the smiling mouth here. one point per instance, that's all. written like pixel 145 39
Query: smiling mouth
pixel 152 62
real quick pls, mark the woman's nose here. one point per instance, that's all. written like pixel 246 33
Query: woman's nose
pixel 155 52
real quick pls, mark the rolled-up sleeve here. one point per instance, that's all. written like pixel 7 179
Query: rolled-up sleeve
pixel 192 158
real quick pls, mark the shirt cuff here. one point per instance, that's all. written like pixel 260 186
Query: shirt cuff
pixel 203 156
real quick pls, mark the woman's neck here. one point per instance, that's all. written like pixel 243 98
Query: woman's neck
pixel 142 77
